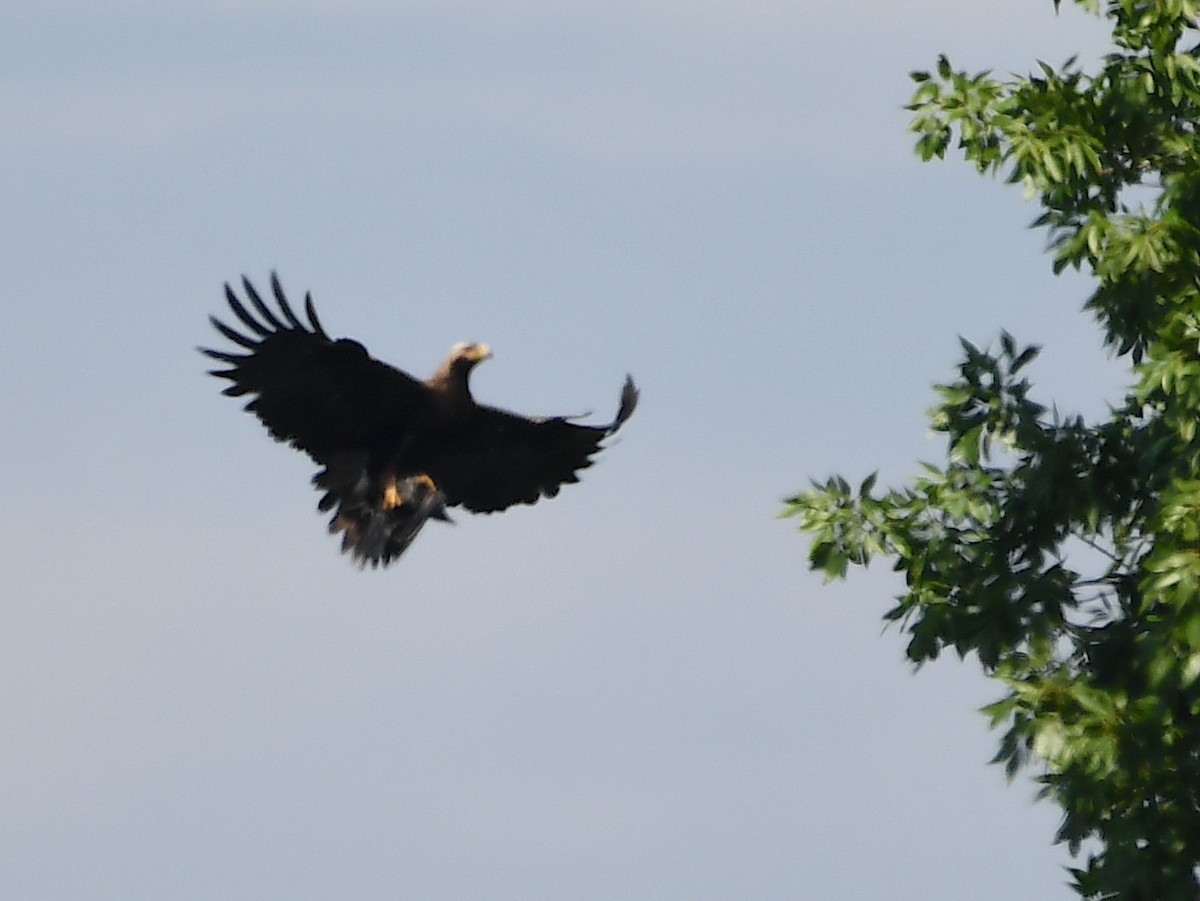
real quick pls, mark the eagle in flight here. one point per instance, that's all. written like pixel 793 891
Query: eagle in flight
pixel 395 451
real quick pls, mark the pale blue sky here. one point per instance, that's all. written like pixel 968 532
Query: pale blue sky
pixel 633 691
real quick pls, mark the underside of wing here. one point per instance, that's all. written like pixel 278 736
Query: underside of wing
pixel 503 459
pixel 320 395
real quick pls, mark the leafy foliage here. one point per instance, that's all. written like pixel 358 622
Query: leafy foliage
pixel 1066 555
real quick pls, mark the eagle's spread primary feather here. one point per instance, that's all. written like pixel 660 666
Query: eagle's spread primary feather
pixel 395 451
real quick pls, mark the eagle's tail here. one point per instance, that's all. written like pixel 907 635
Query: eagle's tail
pixel 378 517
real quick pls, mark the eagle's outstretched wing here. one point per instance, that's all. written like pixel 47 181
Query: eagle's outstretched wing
pixel 505 459
pixel 319 395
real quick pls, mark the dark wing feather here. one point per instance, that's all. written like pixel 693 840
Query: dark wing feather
pixel 320 395
pixel 503 459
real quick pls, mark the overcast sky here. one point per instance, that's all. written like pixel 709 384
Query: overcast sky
pixel 634 691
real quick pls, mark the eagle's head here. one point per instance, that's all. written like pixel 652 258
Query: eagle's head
pixel 467 354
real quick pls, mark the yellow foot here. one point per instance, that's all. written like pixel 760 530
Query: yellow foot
pixel 391 495
pixel 392 498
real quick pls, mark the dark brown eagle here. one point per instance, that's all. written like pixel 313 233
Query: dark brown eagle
pixel 395 451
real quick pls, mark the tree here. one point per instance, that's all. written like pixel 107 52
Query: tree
pixel 1066 554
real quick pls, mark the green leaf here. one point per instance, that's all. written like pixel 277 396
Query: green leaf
pixel 1190 671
